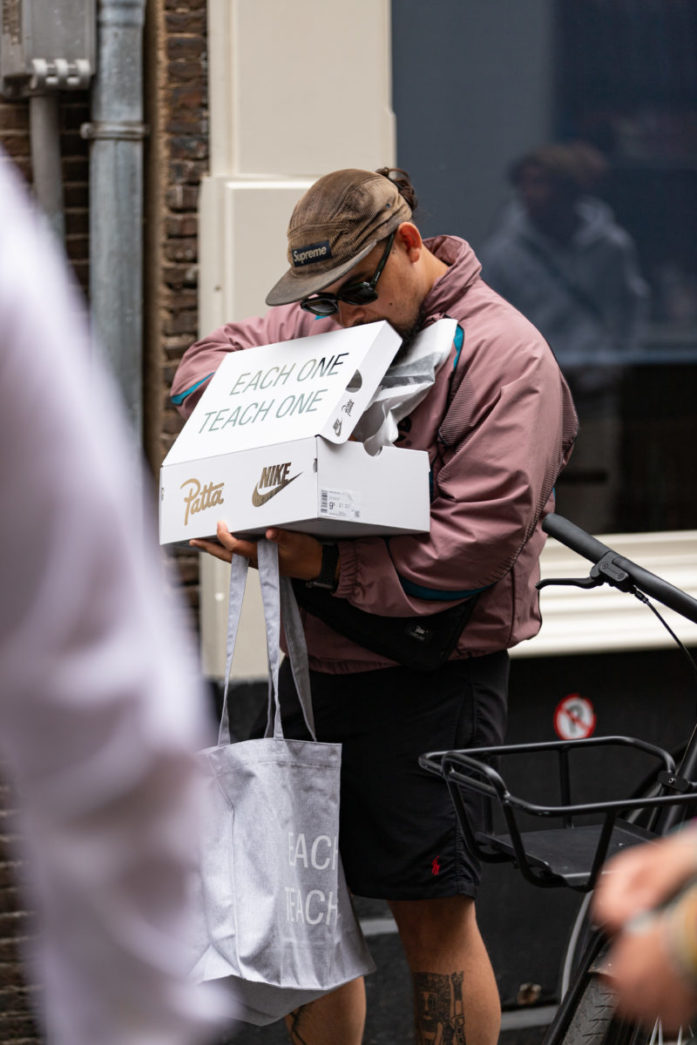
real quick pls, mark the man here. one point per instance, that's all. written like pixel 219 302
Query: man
pixel 498 424
pixel 101 707
pixel 559 256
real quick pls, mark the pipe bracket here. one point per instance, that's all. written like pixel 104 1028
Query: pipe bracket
pixel 104 130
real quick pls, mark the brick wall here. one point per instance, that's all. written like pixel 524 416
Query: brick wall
pixel 75 112
pixel 14 139
pixel 14 134
pixel 17 1023
pixel 177 159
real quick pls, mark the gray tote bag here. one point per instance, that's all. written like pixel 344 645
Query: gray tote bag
pixel 274 913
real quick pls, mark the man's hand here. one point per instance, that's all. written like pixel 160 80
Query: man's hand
pixel 643 976
pixel 641 966
pixel 299 554
pixel 641 878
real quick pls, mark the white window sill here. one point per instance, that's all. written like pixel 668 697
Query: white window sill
pixel 604 620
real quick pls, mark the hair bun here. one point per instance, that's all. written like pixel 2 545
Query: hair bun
pixel 401 179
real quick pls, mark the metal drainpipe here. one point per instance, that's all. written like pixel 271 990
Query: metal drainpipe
pixel 116 195
pixel 46 158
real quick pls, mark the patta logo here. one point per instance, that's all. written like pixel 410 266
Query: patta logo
pixel 197 498
pixel 273 479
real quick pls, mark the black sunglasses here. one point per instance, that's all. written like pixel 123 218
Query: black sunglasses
pixel 359 293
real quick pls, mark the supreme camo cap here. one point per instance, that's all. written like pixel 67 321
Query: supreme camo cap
pixel 335 224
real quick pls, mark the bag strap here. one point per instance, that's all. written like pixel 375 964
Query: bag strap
pixel 279 602
pixel 238 581
pixel 267 559
pixel 297 651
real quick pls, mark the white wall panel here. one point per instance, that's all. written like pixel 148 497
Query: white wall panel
pixel 297 88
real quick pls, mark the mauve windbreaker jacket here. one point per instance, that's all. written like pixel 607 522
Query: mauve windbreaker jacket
pixel 495 458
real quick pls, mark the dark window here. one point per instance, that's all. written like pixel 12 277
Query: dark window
pixel 626 81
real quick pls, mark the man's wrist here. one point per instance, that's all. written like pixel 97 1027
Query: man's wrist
pixel 328 576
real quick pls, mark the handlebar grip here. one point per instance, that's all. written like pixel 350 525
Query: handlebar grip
pixel 590 548
pixel 574 537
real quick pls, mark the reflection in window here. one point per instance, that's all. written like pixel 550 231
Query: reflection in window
pixel 600 252
pixel 560 257
pixel 627 78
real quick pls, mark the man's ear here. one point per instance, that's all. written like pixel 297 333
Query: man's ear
pixel 409 238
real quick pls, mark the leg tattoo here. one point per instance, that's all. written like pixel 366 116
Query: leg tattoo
pixel 292 1023
pixel 440 1016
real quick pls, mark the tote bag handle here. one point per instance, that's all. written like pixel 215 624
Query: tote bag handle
pixel 279 602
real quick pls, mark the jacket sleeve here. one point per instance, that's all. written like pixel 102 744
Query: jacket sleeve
pixel 490 491
pixel 200 362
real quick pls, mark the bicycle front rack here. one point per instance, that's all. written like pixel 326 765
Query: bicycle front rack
pixel 568 853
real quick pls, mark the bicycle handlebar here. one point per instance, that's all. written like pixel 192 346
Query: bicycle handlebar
pixel 590 548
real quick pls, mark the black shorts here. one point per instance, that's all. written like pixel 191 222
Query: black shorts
pixel 399 837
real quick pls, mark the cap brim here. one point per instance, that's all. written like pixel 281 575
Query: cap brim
pixel 297 284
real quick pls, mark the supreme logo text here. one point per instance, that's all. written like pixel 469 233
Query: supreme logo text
pixel 312 253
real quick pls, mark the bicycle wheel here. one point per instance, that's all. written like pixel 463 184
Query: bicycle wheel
pixel 655 1036
pixel 594 1023
pixel 593 1018
pixel 576 944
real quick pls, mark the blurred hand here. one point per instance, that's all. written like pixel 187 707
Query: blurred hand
pixel 645 980
pixel 643 877
pixel 299 554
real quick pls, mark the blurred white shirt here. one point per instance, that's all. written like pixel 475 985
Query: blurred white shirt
pixel 101 707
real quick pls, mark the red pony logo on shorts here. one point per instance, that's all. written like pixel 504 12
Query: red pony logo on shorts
pixel 435 866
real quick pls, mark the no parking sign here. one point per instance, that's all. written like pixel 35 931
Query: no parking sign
pixel 574 718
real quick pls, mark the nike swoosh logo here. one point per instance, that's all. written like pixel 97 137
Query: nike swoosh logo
pixel 261 498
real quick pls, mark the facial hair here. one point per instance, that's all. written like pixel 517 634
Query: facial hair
pixel 408 334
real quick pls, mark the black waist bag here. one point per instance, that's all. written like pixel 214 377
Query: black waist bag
pixel 421 643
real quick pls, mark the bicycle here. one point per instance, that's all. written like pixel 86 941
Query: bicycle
pixel 572 852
